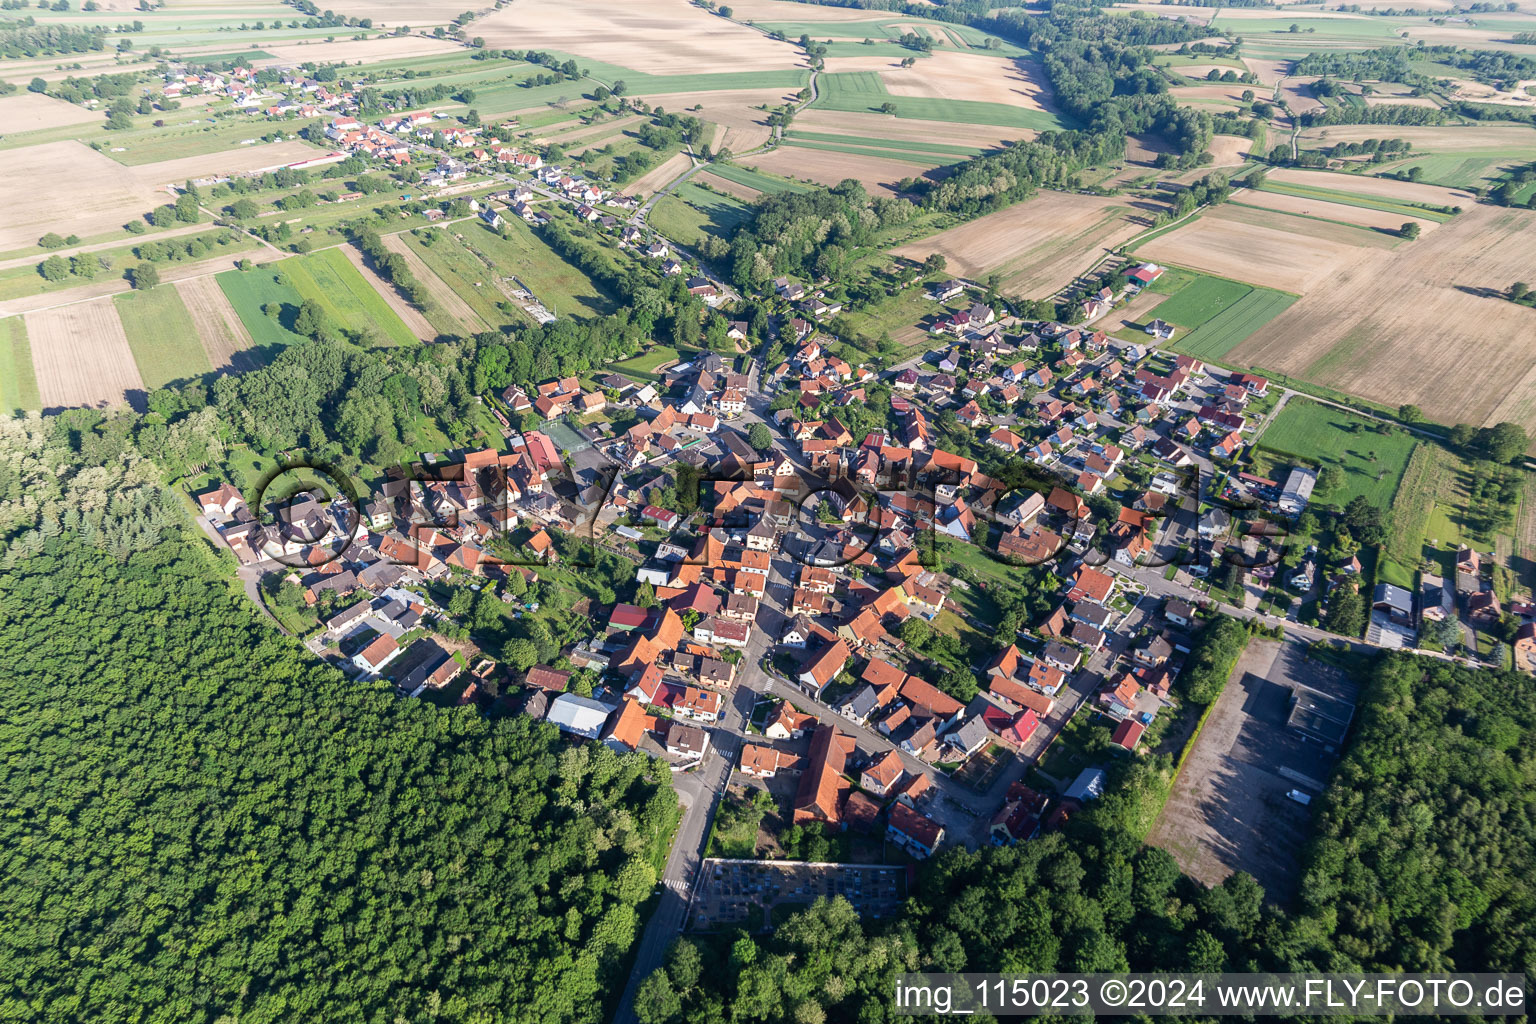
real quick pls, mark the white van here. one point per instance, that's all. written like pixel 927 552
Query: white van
pixel 1302 798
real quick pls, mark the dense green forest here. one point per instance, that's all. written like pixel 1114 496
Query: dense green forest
pixel 1423 862
pixel 205 823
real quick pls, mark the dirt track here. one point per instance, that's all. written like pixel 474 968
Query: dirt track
pixel 445 297
pixel 404 310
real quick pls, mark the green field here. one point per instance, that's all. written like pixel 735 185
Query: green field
pixel 559 285
pixel 162 336
pixel 249 290
pixel 1200 300
pixel 916 159
pixel 648 362
pixel 1233 325
pixel 1462 168
pixel 1344 198
pixel 348 299
pixel 692 211
pixel 1373 462
pixel 199 138
pixel 18 381
pixel 757 179
pixel 864 92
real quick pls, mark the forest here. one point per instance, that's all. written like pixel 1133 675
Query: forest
pixel 1422 862
pixel 205 823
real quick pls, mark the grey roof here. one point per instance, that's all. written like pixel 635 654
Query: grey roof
pixel 971 734
pixel 1089 785
pixel 1395 598
pixel 581 715
pixel 863 702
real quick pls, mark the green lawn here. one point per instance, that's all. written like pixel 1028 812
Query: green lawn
pixel 199 138
pixel 563 288
pixel 757 179
pixel 330 279
pixel 863 91
pixel 1233 324
pixel 648 362
pixel 704 212
pixel 1201 299
pixel 18 381
pixel 162 336
pixel 249 290
pixel 1327 436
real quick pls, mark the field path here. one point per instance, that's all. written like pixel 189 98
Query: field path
pixel 82 357
pixel 412 316
pixel 224 337
pixel 454 306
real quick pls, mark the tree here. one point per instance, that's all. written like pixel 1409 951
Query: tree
pixel 52 240
pixel 144 276
pixel 726 12
pixel 1519 290
pixel 1503 442
pixel 887 107
pixel 1409 230
pixel 54 268
pixel 959 684
pixel 38 85
pixel 915 632
pixel 1331 479
pixel 759 437
pixel 935 263
pixel 1410 413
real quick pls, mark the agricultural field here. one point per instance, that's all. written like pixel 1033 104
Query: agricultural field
pixel 82 357
pixel 866 92
pixel 248 291
pixel 162 336
pixel 1200 300
pixel 330 279
pixel 18 380
pixel 1359 216
pixel 1038 245
pixel 219 330
pixel 1454 156
pixel 1372 455
pixel 414 319
pixel 755 180
pixel 1423 322
pixel 692 212
pixel 1233 325
pixel 97 194
pixel 449 312
pixel 561 287
pixel 1222 242
pixel 876 172
pixel 461 274
pixel 660 37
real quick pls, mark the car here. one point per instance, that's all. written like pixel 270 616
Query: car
pixel 1302 798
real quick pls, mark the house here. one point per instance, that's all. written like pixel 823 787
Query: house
pixel 1063 657
pixel 542 677
pixel 1143 274
pixel 1397 603
pixel 1091 585
pixel 1127 734
pixel 700 705
pixel 345 620
pixel 786 723
pixel 581 716
pixel 372 659
pixel 764 762
pixel 945 291
pixel 1297 491
pixel 1160 329
pixel 1482 607
pixel 626 729
pixel 685 740
pixel 1525 648
pixel 1178 612
pixel 917 832
pixel 221 502
pixel 824 667
pixel 882 775
pixel 822 788
pixel 971 736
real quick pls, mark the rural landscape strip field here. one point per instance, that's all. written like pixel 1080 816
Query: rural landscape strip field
pixel 560 286
pixel 864 142
pixel 1235 324
pixel 1421 323
pixel 691 211
pixel 328 278
pixel 1200 300
pixel 461 273
pixel 414 320
pixel 864 91
pixel 1219 242
pixel 18 379
pixel 82 357
pixel 447 303
pixel 224 338
pixel 756 179
pixel 162 336
pixel 249 291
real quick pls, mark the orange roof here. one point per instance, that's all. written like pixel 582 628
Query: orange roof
pixel 828 663
pixel 630 724
pixel 822 785
pixel 885 771
pixel 925 694
pixel 882 673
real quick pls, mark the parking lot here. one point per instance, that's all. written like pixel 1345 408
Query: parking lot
pixel 1229 810
pixel 743 893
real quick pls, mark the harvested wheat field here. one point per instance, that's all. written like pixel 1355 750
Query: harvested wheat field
pixel 1269 72
pixel 660 37
pixel 1197 15
pixel 659 175
pixel 409 314
pixel 1297 93
pixel 1356 215
pixel 1385 188
pixel 968 76
pixel 1220 243
pixel 378 48
pixel 1227 151
pixel 446 298
pixel 906 129
pixel 1230 94
pixel 790 11
pixel 1038 245
pixel 730 188
pixel 1417 324
pixel 82 357
pixel 1516 139
pixel 236 160
pixel 224 337
pixel 30 111
pixel 96 195
pixel 828 168
pixel 1480 93
pixel 607 126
